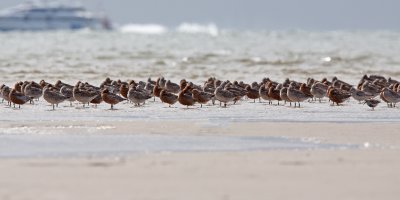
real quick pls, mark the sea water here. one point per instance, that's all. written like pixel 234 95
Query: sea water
pixel 196 53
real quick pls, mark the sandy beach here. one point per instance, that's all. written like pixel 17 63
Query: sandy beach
pixel 368 172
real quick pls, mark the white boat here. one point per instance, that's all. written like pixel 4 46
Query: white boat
pixel 50 15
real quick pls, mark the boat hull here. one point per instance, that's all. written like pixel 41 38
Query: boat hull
pixel 24 24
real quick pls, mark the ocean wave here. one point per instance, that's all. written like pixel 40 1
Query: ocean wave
pixel 143 29
pixel 194 28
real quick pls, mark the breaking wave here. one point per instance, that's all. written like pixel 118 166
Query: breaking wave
pixel 194 28
pixel 144 29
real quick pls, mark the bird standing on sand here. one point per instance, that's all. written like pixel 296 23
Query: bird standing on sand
pixel 138 97
pixel 201 97
pixel 52 96
pixel 284 96
pixel 33 92
pixel 67 92
pixel 18 98
pixel 274 92
pixel 84 95
pixel 185 97
pixel 168 98
pixel 318 90
pixel 223 95
pixel 390 96
pixel 370 88
pixel 296 95
pixel 360 95
pixel 111 98
pixel 252 93
pixel 5 92
pixel 337 96
pixel 263 91
pixel 372 103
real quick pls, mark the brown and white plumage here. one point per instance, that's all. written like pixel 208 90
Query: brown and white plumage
pixel 360 95
pixel 390 96
pixel 53 96
pixel 68 92
pixel 263 91
pixel 18 98
pixel 274 92
pixel 252 93
pixel 185 97
pixel 296 96
pixel 318 90
pixel 337 96
pixel 372 103
pixel 31 91
pixel 224 96
pixel 201 97
pixel 84 95
pixel 138 97
pixel 370 88
pixel 284 96
pixel 168 98
pixel 111 98
pixel 172 87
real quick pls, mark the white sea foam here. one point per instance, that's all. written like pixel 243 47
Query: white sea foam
pixel 194 28
pixel 143 29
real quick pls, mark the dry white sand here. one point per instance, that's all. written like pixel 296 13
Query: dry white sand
pixel 370 173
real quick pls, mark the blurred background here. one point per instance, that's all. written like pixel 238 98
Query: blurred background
pixel 236 40
pixel 251 14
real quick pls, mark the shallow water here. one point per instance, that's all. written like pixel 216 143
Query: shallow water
pixel 243 111
pixel 66 145
pixel 233 55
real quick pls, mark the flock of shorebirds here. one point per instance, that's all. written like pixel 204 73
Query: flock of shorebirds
pixel 189 94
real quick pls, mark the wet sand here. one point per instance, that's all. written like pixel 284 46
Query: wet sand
pixel 366 173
